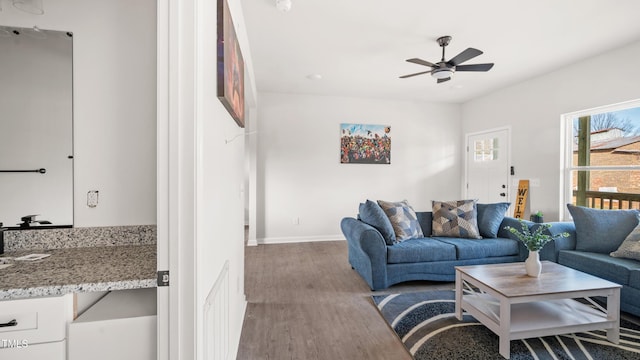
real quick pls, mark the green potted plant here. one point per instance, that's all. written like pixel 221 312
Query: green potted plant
pixel 537 217
pixel 534 242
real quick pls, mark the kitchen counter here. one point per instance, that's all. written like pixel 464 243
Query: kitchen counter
pixel 82 269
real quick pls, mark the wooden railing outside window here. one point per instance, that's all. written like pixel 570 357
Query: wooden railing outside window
pixel 607 200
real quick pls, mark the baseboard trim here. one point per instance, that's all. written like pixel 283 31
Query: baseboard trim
pixel 299 239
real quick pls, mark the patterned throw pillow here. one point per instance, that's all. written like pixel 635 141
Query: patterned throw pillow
pixel 630 247
pixel 455 219
pixel 403 219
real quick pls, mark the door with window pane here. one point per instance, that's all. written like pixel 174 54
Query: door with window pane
pixel 488 166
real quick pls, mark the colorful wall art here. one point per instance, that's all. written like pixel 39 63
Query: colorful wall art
pixel 365 144
pixel 230 65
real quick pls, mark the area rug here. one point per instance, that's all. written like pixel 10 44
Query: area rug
pixel 428 328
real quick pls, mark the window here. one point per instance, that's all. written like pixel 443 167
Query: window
pixel 485 150
pixel 602 165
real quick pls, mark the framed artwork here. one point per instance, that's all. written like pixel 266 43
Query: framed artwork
pixel 230 66
pixel 365 144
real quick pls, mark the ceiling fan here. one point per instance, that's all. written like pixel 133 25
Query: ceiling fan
pixel 443 70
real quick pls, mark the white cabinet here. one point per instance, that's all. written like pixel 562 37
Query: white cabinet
pixel 49 351
pixel 122 325
pixel 32 327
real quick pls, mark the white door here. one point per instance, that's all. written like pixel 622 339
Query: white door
pixel 487 170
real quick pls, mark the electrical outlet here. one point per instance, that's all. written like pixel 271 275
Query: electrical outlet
pixel 296 221
pixel 92 198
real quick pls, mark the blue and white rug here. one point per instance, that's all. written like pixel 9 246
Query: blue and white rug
pixel 428 328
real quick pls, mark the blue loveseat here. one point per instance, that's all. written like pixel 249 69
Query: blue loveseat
pixel 593 235
pixel 426 258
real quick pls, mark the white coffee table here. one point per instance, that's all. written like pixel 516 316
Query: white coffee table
pixel 516 306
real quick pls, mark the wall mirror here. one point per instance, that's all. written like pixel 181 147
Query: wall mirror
pixel 36 126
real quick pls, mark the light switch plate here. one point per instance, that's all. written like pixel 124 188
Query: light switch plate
pixel 92 198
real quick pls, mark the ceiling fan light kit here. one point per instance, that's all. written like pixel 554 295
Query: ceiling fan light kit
pixel 443 70
pixel 441 73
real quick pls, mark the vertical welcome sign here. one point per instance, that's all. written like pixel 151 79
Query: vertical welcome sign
pixel 521 199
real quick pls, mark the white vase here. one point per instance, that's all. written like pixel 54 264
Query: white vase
pixel 533 264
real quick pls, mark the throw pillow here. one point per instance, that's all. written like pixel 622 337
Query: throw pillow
pixel 630 247
pixel 371 213
pixel 403 219
pixel 602 231
pixel 490 217
pixel 455 219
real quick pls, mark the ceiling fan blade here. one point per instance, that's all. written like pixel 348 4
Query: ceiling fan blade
pixel 474 67
pixel 443 80
pixel 410 75
pixel 468 54
pixel 421 62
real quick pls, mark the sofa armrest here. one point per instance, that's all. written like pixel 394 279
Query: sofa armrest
pixel 367 251
pixel 514 223
pixel 551 250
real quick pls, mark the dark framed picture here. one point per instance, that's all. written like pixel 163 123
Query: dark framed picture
pixel 230 65
pixel 365 144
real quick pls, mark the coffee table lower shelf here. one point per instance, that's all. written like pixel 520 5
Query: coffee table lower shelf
pixel 538 318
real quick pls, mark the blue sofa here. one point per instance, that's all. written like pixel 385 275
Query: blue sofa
pixel 428 258
pixel 588 250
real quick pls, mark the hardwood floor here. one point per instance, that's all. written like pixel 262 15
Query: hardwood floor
pixel 305 302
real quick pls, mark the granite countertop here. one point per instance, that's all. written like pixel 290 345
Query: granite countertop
pixel 83 269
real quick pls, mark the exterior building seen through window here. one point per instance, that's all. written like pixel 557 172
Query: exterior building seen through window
pixel 604 170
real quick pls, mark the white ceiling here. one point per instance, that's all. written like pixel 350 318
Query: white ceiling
pixel 360 46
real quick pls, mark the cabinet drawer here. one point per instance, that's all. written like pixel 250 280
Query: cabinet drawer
pixel 34 320
pixel 49 351
pixel 18 322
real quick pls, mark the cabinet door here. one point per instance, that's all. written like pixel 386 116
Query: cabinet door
pixel 49 351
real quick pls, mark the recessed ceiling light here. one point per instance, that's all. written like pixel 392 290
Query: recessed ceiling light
pixel 314 77
pixel 283 5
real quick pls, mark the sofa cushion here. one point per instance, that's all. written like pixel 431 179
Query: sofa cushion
pixel 458 219
pixel 490 217
pixel 420 250
pixel 469 249
pixel 601 231
pixel 634 278
pixel 630 247
pixel 372 214
pixel 425 219
pixel 600 265
pixel 403 219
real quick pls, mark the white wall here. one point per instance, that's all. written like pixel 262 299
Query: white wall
pixel 299 169
pixel 533 109
pixel 114 83
pixel 220 145
pixel 201 177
